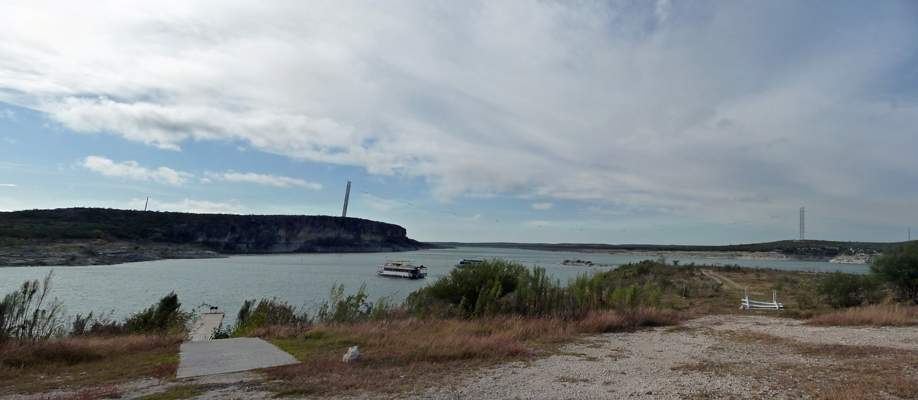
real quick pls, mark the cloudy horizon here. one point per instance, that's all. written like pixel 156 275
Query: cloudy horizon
pixel 708 122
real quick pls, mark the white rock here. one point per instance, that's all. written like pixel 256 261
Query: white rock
pixel 352 355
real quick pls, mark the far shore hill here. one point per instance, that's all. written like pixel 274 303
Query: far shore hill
pixel 97 236
pixel 799 250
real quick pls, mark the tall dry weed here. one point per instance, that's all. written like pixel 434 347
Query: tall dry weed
pixel 874 315
pixel 76 350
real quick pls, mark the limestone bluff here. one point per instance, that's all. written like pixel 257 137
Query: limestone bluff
pixel 222 233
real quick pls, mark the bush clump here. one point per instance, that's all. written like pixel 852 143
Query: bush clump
pixel 501 287
pixel 29 314
pixel 165 317
pixel 842 290
pixel 898 266
pixel 268 312
pixel 354 308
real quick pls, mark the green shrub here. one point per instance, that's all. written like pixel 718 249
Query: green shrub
pixel 162 318
pixel 842 290
pixel 267 313
pixel 898 265
pixel 490 281
pixel 488 290
pixel 28 313
pixel 807 299
pixel 635 296
pixel 353 308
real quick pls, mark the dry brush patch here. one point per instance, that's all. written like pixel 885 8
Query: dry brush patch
pixel 821 371
pixel 86 362
pixel 876 315
pixel 407 355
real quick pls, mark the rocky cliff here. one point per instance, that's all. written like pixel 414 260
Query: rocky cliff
pixel 227 234
pixel 294 234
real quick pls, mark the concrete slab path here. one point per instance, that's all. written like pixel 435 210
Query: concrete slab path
pixel 229 355
pixel 205 324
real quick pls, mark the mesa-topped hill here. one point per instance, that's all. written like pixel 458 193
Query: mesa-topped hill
pixel 217 233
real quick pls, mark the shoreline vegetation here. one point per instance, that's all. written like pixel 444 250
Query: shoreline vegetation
pixel 493 314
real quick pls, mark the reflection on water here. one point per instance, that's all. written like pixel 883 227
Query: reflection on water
pixel 303 280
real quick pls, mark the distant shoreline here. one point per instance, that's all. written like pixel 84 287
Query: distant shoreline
pixel 785 250
pixel 735 255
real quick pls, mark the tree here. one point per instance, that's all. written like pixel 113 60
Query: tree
pixel 842 290
pixel 898 265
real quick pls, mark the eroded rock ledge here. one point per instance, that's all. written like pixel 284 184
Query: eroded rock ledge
pixel 89 236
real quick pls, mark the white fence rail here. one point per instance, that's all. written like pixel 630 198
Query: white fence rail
pixel 761 305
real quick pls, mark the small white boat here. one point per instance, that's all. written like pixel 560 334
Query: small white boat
pixel 402 269
pixel 466 262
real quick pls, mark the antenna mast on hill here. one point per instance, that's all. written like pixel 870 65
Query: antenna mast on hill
pixel 146 204
pixel 347 194
pixel 802 236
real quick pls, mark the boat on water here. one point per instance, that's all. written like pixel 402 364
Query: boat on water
pixel 466 262
pixel 402 269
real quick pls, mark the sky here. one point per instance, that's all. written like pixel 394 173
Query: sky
pixel 658 122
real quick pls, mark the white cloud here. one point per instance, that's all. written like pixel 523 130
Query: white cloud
pixel 8 184
pixel 272 180
pixel 542 206
pixel 658 106
pixel 7 113
pixel 188 205
pixel 132 170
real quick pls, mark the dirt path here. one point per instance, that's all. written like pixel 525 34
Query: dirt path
pixel 720 278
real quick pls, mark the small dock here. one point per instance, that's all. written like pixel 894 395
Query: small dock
pixel 201 355
pixel 208 357
pixel 205 325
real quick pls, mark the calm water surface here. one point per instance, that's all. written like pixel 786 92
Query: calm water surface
pixel 302 280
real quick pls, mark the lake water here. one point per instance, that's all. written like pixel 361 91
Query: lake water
pixel 302 280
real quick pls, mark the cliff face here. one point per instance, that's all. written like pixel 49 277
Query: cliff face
pixel 232 234
pixel 296 234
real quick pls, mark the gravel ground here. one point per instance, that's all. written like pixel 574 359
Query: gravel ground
pixel 649 364
pixel 641 365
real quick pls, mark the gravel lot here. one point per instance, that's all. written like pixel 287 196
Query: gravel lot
pixel 660 363
pixel 641 365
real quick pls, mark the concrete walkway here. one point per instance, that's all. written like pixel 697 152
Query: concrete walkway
pixel 203 356
pixel 205 324
pixel 209 357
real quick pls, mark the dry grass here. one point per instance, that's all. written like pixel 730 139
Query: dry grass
pixel 403 356
pixel 827 371
pixel 878 315
pixel 726 299
pixel 88 362
pixel 89 393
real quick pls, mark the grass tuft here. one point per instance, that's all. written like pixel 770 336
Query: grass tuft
pixel 400 356
pixel 876 315
pixel 86 361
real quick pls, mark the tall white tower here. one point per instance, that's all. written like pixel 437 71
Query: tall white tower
pixel 347 194
pixel 802 236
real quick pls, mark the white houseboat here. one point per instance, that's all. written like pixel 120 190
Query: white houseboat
pixel 402 269
pixel 465 262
